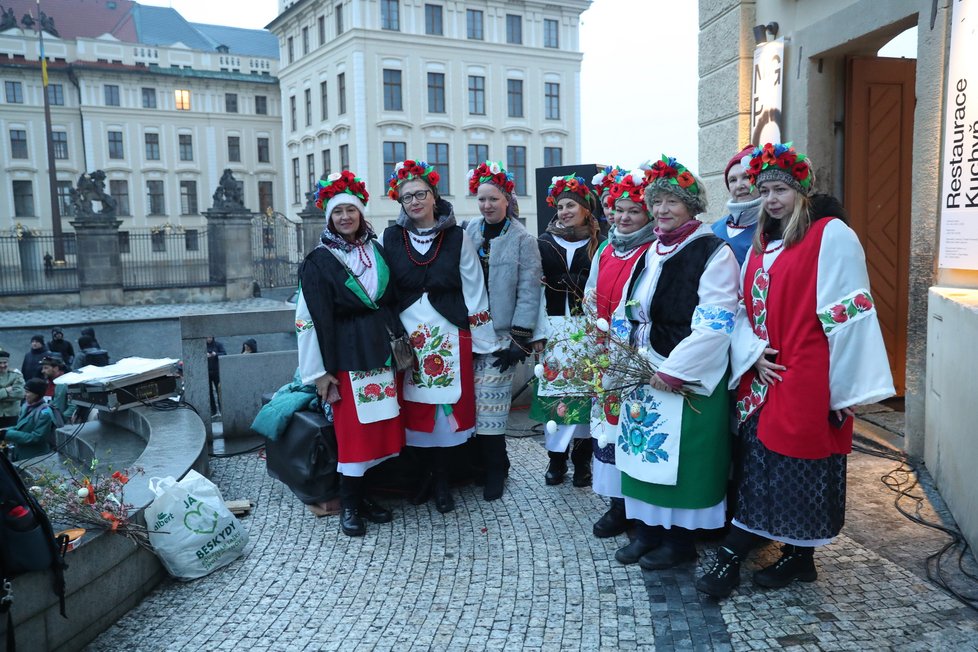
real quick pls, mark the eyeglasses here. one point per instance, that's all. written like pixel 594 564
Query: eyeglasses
pixel 406 199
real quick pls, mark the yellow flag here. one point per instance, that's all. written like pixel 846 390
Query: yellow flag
pixel 44 72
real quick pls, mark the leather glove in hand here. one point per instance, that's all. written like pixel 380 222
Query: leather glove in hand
pixel 518 350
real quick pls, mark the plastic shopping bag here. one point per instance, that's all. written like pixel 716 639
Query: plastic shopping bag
pixel 191 530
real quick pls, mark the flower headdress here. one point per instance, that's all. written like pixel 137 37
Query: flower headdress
pixel 779 161
pixel 410 169
pixel 629 184
pixel 670 176
pixel 603 180
pixel 572 185
pixel 337 183
pixel 491 172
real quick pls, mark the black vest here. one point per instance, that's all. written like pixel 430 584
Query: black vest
pixel 441 278
pixel 562 284
pixel 677 293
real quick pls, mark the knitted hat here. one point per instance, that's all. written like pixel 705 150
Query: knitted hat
pixel 57 331
pixel 37 338
pixel 411 169
pixel 629 185
pixel 342 188
pixel 570 187
pixel 4 354
pixel 36 386
pixel 780 162
pixel 667 175
pixel 736 160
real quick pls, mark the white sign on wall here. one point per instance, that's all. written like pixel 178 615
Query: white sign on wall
pixel 766 86
pixel 959 161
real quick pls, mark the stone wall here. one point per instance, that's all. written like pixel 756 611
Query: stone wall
pixel 244 378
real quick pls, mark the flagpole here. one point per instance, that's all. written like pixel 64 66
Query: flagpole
pixel 59 246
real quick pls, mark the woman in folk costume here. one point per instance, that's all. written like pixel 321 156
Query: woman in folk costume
pixel 343 317
pixel 617 258
pixel 444 306
pixel 511 268
pixel 743 207
pixel 806 349
pixel 674 439
pixel 566 251
pixel 602 182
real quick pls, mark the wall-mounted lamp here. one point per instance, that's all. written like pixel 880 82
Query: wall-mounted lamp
pixel 761 32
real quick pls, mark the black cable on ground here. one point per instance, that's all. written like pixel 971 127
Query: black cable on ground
pixel 902 480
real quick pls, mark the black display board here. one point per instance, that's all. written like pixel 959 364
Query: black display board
pixel 545 175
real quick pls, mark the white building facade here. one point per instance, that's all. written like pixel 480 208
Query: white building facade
pixel 162 122
pixel 366 83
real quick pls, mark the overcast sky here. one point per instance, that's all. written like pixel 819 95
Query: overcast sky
pixel 638 78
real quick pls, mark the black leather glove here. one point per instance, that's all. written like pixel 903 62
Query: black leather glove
pixel 518 350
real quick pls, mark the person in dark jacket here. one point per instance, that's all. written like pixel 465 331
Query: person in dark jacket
pixel 250 346
pixel 35 425
pixel 214 350
pixel 90 353
pixel 31 367
pixel 88 331
pixel 61 346
pixel 344 316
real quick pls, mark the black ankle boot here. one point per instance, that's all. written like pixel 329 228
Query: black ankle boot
pixel 613 522
pixel 677 548
pixel 375 512
pixel 581 453
pixel 557 468
pixel 723 577
pixel 496 462
pixel 646 540
pixel 796 563
pixel 350 496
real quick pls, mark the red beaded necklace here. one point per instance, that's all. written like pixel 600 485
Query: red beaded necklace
pixel 658 249
pixel 407 247
pixel 769 251
pixel 364 258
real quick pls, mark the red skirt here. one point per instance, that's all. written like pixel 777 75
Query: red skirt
pixel 363 442
pixel 420 417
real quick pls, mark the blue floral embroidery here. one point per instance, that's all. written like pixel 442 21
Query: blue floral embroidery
pixel 714 318
pixel 622 328
pixel 640 426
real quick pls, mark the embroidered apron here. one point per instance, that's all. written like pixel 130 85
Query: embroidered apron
pixel 374 394
pixel 435 379
pixel 557 373
pixel 648 439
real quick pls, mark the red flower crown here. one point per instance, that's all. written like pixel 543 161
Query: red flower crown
pixel 490 172
pixel 629 185
pixel 674 173
pixel 570 183
pixel 411 169
pixel 340 182
pixel 781 156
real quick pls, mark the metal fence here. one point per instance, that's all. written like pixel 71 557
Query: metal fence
pixel 27 265
pixel 276 243
pixel 164 258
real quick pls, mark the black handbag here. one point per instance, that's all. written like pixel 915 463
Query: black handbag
pixel 402 353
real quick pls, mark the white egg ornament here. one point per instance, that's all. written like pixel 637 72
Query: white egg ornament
pixel 552 427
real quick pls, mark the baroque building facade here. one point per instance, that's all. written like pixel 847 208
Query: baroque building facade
pixel 162 105
pixel 366 83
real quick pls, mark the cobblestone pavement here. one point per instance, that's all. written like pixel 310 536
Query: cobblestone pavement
pixel 524 572
pixel 98 314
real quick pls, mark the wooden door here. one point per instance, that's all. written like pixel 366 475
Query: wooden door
pixel 878 157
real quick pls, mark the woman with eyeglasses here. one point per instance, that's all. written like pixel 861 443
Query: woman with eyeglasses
pixel 444 307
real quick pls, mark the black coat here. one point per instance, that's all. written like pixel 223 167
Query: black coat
pixel 560 282
pixel 352 335
pixel 32 364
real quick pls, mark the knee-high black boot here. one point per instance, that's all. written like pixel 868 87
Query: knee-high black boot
pixel 444 502
pixel 351 493
pixel 581 453
pixel 496 461
pixel 425 479
pixel 557 468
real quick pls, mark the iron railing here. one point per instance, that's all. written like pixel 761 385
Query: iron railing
pixel 27 264
pixel 164 258
pixel 276 242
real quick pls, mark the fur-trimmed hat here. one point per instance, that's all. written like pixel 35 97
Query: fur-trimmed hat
pixel 736 159
pixel 667 175
pixel 342 188
pixel 780 162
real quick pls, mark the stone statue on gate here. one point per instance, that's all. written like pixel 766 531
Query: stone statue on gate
pixel 228 196
pixel 91 188
pixel 8 19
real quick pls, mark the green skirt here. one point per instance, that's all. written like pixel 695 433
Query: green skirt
pixel 704 457
pixel 544 409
